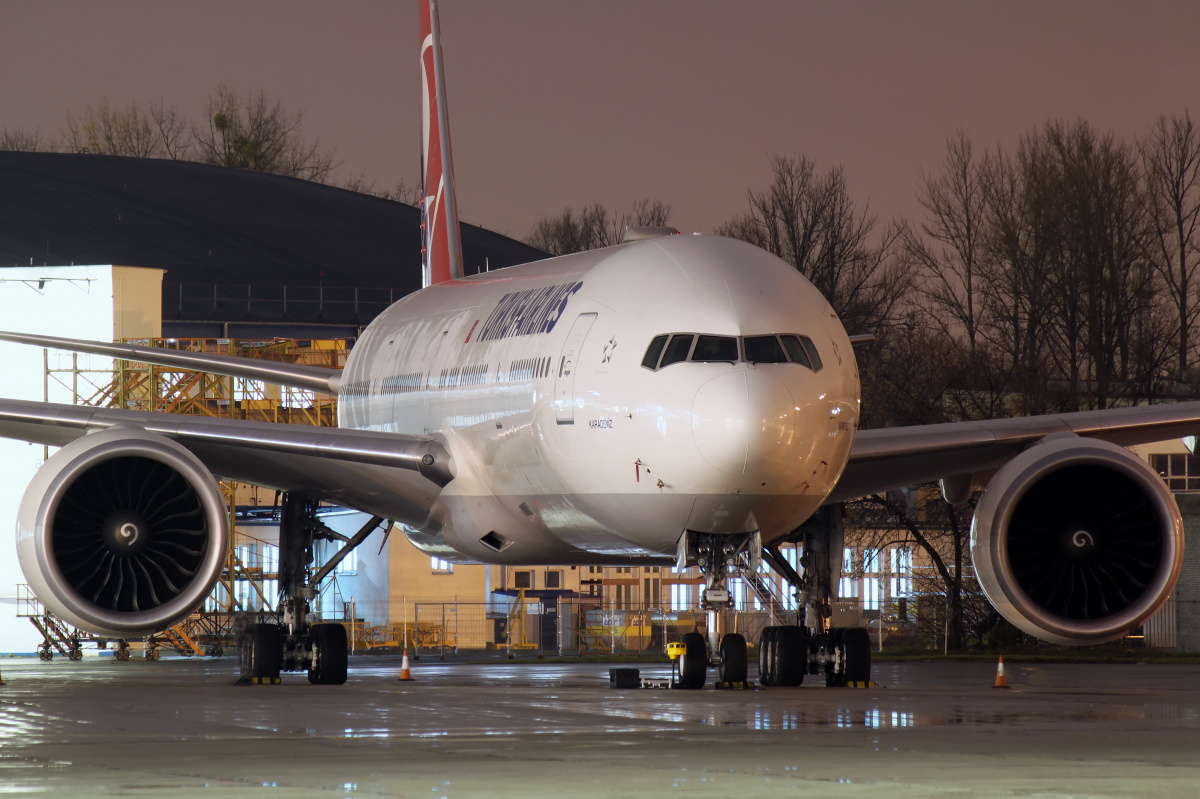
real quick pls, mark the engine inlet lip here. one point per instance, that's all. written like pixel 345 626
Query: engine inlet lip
pixel 1076 452
pixel 91 451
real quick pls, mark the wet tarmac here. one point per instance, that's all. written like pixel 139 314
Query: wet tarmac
pixel 179 727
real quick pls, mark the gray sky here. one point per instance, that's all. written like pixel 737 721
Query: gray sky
pixel 557 103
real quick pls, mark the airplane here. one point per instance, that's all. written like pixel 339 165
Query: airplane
pixel 674 399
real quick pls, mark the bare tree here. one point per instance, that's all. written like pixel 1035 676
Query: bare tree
pixel 594 226
pixel 21 140
pixel 1171 162
pixel 259 135
pixel 922 520
pixel 947 246
pixel 646 212
pixel 173 132
pixel 107 130
pixel 402 192
pixel 810 221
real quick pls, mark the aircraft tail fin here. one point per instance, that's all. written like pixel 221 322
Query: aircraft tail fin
pixel 441 245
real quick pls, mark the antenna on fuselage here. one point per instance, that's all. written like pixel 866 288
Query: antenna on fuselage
pixel 441 245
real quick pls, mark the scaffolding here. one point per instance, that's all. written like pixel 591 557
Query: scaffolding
pixel 140 386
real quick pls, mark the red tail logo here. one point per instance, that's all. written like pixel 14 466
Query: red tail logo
pixel 441 247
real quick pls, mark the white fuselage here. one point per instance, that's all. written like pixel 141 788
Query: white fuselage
pixel 566 448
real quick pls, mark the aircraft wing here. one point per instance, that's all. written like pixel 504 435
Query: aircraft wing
pixel 899 457
pixel 312 378
pixel 387 474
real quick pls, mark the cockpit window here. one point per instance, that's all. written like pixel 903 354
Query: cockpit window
pixel 677 350
pixel 795 350
pixel 764 349
pixel 669 348
pixel 650 361
pixel 811 349
pixel 716 348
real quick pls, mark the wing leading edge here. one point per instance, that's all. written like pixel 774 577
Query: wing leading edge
pixel 311 378
pixel 391 475
pixel 899 457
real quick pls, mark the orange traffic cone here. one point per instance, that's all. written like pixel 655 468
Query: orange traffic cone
pixel 405 674
pixel 1000 681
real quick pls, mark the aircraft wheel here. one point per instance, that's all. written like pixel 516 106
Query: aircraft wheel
pixel 791 655
pixel 766 654
pixel 152 654
pixel 260 652
pixel 45 654
pixel 856 652
pixel 836 678
pixel 75 654
pixel 693 663
pixel 329 654
pixel 733 658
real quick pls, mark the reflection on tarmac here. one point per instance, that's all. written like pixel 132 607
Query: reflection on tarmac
pixel 545 729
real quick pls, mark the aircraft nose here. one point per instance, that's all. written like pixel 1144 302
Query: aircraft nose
pixel 741 416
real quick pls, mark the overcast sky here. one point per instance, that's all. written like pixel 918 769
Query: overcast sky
pixel 557 102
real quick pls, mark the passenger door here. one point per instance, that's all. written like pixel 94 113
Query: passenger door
pixel 568 363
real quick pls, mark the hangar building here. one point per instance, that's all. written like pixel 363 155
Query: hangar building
pixel 245 254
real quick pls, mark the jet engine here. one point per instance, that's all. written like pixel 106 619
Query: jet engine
pixel 1077 541
pixel 122 532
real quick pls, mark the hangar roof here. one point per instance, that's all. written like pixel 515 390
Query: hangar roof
pixel 230 240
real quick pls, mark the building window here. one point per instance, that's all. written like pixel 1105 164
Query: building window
pixel 901 570
pixel 681 596
pixel 871 583
pixel 349 564
pixel 523 579
pixel 554 579
pixel 440 566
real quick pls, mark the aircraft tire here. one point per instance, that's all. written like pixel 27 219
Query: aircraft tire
pixel 856 650
pixel 791 655
pixel 329 650
pixel 260 652
pixel 693 664
pixel 766 655
pixel 733 658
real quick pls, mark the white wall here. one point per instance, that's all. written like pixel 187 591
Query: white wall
pixel 76 302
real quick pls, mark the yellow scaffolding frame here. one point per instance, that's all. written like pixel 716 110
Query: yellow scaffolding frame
pixel 140 386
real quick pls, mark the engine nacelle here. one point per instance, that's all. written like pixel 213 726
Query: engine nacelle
pixel 122 532
pixel 1077 541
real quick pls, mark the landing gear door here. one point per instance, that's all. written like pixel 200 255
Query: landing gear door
pixel 568 362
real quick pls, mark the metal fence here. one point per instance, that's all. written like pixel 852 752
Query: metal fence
pixel 576 627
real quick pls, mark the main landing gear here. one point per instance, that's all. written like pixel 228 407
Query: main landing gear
pixel 786 653
pixel 266 649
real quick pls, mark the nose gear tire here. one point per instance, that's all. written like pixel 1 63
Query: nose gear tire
pixel 733 659
pixel 693 664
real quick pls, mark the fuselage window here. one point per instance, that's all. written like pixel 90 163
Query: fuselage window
pixel 795 350
pixel 677 349
pixel 811 349
pixel 650 361
pixel 764 349
pixel 715 348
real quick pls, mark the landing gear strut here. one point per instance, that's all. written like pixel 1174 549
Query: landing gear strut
pixel 842 655
pixel 264 649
